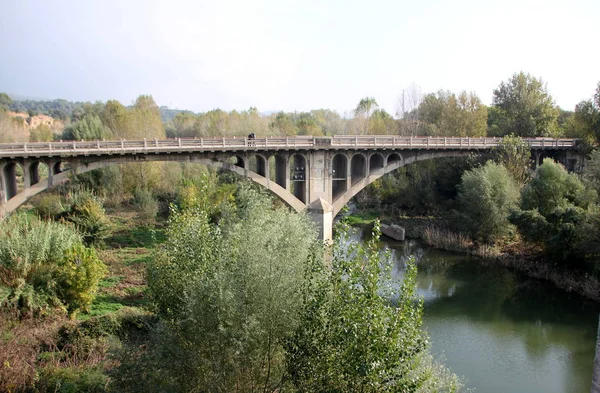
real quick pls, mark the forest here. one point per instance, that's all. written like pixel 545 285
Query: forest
pixel 169 276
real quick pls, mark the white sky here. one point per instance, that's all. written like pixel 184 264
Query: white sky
pixel 294 55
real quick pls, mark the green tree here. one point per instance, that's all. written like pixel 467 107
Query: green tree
pixel 5 102
pixel 283 125
pixel 230 295
pixel 41 133
pixel 525 107
pixel 351 338
pixel 364 108
pixel 90 127
pixel 585 121
pixel 486 196
pixel 448 114
pixel 554 207
pixel 43 265
pixel 514 154
pixel 591 172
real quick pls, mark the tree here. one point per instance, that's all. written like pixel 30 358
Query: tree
pixel 585 121
pixel 5 102
pixel 90 127
pixel 486 196
pixel 407 110
pixel 229 295
pixel 41 133
pixel 352 338
pixel 514 154
pixel 526 107
pixel 364 108
pixel 283 125
pixel 451 115
pixel 554 207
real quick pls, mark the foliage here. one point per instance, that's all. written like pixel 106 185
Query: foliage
pixel 78 275
pixel 229 295
pixel 145 203
pixel 41 133
pixel 86 211
pixel 555 205
pixel 48 205
pixel 365 108
pixel 591 171
pixel 445 113
pixel 585 122
pixel 38 265
pixel 5 102
pixel 514 154
pixel 351 337
pixel 486 196
pixel 89 127
pixel 72 380
pixel 525 107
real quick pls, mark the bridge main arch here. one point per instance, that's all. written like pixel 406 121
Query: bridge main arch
pixel 16 199
pixel 393 162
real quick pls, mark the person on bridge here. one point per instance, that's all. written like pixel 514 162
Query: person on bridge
pixel 251 137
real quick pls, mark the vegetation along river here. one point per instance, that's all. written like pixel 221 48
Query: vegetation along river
pixel 501 331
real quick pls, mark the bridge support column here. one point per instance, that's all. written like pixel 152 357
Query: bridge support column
pixel 596 373
pixel 321 212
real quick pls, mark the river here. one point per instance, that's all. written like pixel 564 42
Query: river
pixel 499 330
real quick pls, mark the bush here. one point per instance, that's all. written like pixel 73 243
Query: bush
pixel 557 211
pixel 49 206
pixel 359 332
pixel 72 380
pixel 145 203
pixel 486 196
pixel 77 276
pixel 44 265
pixel 86 211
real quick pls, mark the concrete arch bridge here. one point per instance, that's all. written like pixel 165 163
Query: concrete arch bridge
pixel 314 174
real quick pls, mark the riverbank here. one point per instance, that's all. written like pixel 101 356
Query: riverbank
pixel 518 256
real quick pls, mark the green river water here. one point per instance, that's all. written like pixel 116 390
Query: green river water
pixel 499 330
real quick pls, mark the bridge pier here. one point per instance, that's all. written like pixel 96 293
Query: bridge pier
pixel 321 213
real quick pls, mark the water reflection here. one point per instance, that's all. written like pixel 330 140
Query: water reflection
pixel 500 330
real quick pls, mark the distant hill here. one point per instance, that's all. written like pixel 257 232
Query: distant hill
pixel 167 114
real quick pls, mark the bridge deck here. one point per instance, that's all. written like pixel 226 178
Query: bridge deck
pixel 83 148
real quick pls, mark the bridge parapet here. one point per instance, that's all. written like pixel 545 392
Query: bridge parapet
pixel 83 148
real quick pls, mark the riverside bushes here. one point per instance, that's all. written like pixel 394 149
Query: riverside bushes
pixel 45 265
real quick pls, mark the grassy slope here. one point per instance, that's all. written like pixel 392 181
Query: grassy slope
pixel 57 354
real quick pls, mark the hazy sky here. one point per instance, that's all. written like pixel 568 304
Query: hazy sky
pixel 294 55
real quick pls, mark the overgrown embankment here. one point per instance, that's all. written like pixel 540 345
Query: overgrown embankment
pixel 518 255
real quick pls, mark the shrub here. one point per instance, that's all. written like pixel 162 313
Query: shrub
pixel 49 206
pixel 72 380
pixel 86 211
pixel 145 203
pixel 44 265
pixel 77 276
pixel 486 196
pixel 359 332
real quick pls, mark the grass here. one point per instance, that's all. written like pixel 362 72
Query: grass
pixel 362 218
pixel 126 254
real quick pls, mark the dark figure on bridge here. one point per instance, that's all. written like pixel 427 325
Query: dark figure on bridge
pixel 251 138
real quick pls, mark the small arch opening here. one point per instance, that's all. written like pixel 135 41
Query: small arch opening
pixel 358 168
pixel 298 177
pixel 339 170
pixel 375 162
pixel 393 158
pixel 281 171
pixel 258 164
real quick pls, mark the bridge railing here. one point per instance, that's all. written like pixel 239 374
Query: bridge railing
pixel 221 143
